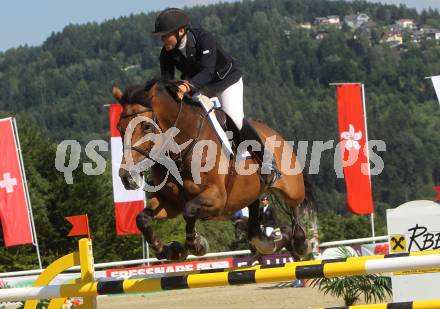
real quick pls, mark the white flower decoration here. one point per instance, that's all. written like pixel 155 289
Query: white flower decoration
pixel 351 138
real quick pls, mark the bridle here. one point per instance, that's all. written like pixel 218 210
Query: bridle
pixel 182 154
pixel 124 116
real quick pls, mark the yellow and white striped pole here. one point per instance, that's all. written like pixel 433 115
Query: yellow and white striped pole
pixel 210 278
pixel 428 304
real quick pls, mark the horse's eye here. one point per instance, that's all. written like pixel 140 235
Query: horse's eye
pixel 145 126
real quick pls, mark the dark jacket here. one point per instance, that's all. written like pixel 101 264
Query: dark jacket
pixel 206 65
pixel 268 217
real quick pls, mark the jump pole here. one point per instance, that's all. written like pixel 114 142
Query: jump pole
pixel 426 304
pixel 212 278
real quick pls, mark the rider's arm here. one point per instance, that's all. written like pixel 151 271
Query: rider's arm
pixel 207 46
pixel 166 65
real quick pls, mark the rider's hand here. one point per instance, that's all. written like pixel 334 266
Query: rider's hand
pixel 183 88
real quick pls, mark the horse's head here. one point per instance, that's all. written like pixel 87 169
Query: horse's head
pixel 135 122
pixel 147 112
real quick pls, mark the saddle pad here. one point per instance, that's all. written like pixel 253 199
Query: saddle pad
pixel 208 105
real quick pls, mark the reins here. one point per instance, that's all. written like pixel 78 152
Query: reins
pixel 182 154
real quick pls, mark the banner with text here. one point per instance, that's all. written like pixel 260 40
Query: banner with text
pixel 169 268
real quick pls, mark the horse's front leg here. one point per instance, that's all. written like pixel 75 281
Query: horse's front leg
pixel 195 243
pixel 207 204
pixel 159 209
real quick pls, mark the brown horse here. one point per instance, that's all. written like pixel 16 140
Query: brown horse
pixel 212 195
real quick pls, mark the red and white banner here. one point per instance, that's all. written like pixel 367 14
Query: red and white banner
pixel 169 268
pixel 128 203
pixel 352 132
pixel 14 213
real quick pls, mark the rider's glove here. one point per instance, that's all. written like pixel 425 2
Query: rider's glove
pixel 184 87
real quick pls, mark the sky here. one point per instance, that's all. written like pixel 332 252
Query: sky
pixel 31 22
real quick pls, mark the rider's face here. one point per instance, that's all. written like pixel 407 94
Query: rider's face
pixel 169 40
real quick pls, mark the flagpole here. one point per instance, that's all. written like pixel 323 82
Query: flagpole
pixel 88 227
pixel 145 245
pixel 28 200
pixel 373 233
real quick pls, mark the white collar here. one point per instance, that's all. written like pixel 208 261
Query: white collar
pixel 182 45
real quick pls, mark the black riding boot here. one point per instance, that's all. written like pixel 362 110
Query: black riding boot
pixel 268 170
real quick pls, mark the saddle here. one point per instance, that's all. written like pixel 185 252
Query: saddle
pixel 222 123
pixel 222 119
pixel 213 104
pixel 218 119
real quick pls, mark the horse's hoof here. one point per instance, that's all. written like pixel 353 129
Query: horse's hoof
pixel 264 245
pixel 174 251
pixel 301 244
pixel 256 259
pixel 164 254
pixel 304 248
pixel 191 211
pixel 179 251
pixel 199 246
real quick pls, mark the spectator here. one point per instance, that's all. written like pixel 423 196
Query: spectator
pixel 268 220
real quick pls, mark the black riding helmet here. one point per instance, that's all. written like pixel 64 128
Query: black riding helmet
pixel 170 20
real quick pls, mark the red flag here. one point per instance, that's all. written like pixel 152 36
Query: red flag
pixel 127 203
pixel 14 213
pixel 80 225
pixel 353 145
pixel 437 189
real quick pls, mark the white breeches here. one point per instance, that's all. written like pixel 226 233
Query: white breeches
pixel 245 212
pixel 268 230
pixel 232 102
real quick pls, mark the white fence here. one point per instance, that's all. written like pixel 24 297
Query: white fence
pixel 209 255
pixel 127 263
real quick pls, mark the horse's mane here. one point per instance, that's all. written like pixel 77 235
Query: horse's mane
pixel 169 86
pixel 139 94
pixel 172 87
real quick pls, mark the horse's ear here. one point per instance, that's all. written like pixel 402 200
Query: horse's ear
pixel 117 93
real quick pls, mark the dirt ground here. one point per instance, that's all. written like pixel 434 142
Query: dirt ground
pixel 265 295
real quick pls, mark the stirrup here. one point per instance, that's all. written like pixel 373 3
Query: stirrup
pixel 275 174
pixel 276 235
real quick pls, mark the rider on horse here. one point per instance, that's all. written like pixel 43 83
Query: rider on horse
pixel 205 66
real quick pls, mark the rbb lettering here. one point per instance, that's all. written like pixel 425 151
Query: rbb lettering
pixel 423 239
